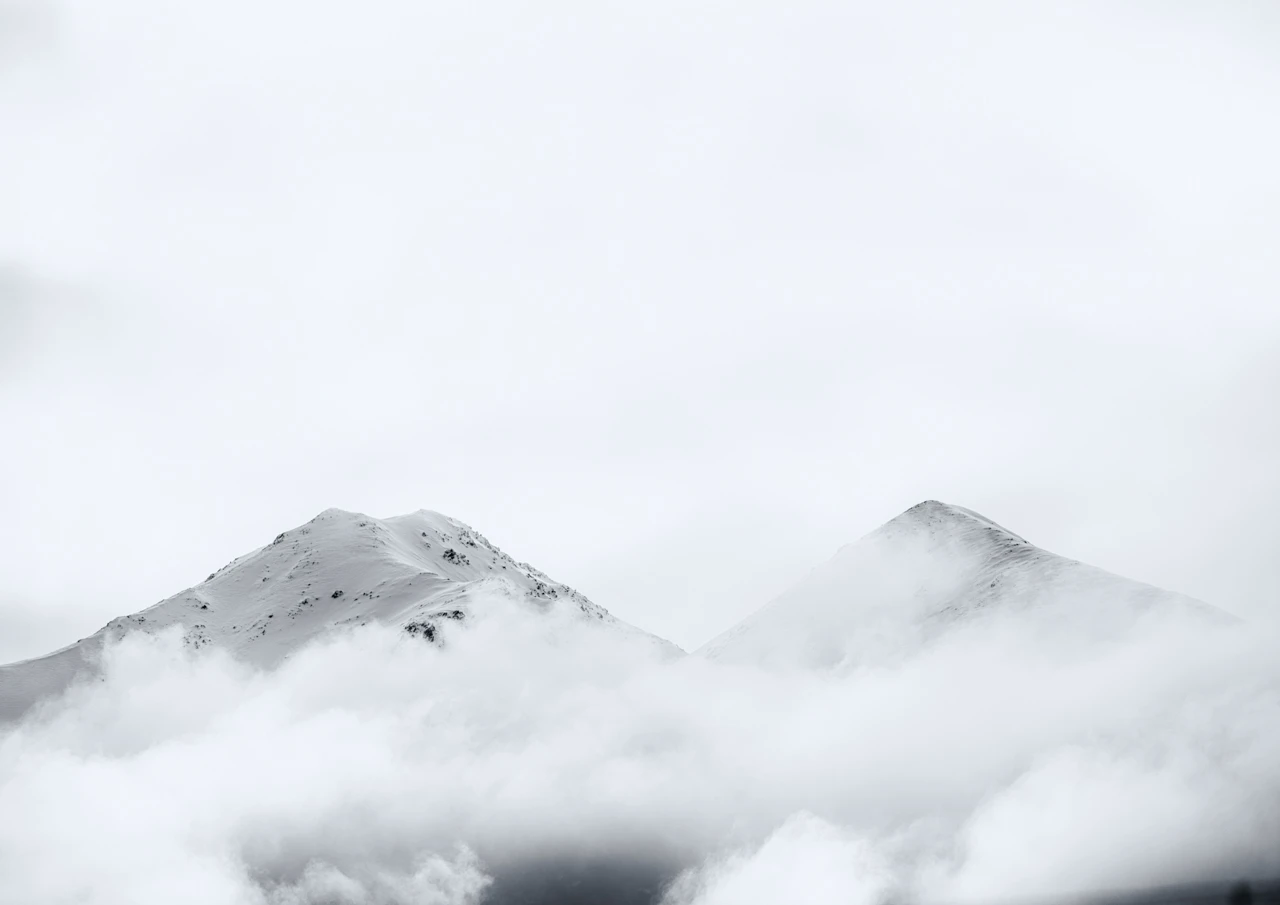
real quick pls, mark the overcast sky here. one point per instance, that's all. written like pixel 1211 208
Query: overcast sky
pixel 669 299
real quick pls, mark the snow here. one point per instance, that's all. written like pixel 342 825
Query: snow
pixel 932 567
pixel 421 572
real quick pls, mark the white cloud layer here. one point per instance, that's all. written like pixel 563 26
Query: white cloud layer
pixel 993 763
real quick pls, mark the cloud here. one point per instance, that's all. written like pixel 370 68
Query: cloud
pixel 432 881
pixel 984 765
pixel 16 309
pixel 43 321
pixel 805 860
pixel 26 26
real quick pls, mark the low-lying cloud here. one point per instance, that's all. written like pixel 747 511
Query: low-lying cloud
pixel 992 763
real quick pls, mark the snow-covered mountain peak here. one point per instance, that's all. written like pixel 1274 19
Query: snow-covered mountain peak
pixel 421 572
pixel 356 554
pixel 944 519
pixel 927 568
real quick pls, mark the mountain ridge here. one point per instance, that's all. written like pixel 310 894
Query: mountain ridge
pixel 932 566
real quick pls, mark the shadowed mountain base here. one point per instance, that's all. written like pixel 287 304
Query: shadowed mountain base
pixel 1242 893
pixel 615 881
pixel 1215 893
pixel 637 882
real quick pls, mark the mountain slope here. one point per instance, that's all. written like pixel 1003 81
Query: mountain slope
pixel 930 567
pixel 420 572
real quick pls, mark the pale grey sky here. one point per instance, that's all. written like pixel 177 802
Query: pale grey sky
pixel 670 300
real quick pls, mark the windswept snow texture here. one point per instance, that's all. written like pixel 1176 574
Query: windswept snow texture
pixel 932 567
pixel 420 572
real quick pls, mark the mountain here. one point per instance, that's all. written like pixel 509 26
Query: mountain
pixel 421 572
pixel 932 567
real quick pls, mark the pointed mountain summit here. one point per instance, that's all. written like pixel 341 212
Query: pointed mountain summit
pixel 424 573
pixel 929 568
